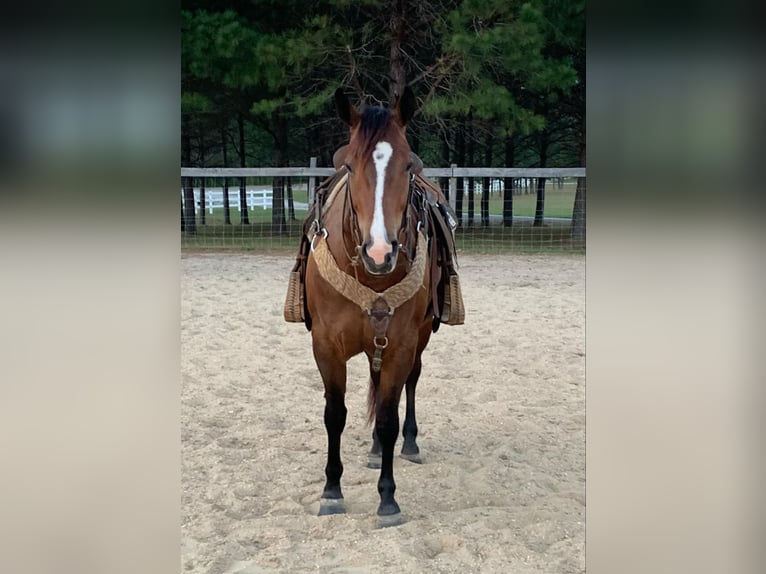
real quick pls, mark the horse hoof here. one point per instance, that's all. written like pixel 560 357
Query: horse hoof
pixel 328 506
pixel 374 460
pixel 415 457
pixel 385 521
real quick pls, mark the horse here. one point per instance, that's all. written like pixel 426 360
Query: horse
pixel 368 289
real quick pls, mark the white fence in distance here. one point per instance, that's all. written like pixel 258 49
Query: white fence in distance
pixel 254 197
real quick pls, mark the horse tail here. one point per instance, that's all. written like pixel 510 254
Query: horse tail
pixel 372 396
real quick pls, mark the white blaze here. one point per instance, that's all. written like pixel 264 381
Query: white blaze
pixel 380 156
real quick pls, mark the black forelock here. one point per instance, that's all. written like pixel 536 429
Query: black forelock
pixel 373 124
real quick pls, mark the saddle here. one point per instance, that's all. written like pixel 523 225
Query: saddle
pixel 438 222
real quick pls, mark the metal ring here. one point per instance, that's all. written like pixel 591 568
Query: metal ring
pixel 377 346
pixel 324 232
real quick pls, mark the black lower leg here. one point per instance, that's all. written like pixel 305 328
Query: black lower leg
pixel 410 429
pixel 388 429
pixel 376 448
pixel 335 421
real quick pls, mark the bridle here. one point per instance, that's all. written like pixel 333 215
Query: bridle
pixel 404 228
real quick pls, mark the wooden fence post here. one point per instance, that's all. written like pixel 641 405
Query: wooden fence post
pixel 453 188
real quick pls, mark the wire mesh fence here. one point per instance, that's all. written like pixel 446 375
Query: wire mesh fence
pixel 498 209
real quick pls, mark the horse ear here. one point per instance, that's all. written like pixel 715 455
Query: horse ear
pixel 406 106
pixel 346 111
pixel 417 163
pixel 339 157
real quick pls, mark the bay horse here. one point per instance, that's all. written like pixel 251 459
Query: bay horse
pixel 367 291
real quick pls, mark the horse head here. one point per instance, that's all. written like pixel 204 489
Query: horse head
pixel 379 164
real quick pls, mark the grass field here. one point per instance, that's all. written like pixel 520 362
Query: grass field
pixel 522 237
pixel 558 203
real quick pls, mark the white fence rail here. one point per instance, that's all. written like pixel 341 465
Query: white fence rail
pixel 255 198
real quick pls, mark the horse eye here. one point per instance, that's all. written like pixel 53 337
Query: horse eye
pixel 409 166
pixel 348 167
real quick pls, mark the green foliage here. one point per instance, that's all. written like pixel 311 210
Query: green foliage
pixel 514 66
pixel 193 102
pixel 503 70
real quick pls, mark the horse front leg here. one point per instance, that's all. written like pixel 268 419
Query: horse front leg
pixel 410 450
pixel 387 429
pixel 333 371
pixel 331 501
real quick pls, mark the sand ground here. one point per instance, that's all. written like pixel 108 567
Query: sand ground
pixel 501 413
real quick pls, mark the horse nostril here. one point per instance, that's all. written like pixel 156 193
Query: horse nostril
pixel 391 257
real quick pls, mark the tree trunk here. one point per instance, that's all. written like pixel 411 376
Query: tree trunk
pixel 471 148
pixel 508 183
pixel 471 198
pixel 444 181
pixel 202 205
pixel 290 200
pixel 190 220
pixel 460 161
pixel 487 181
pixel 278 222
pixel 485 202
pixel 226 212
pixel 189 224
pixel 540 204
pixel 396 60
pixel 244 216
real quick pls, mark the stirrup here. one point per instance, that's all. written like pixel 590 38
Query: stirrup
pixel 293 311
pixel 453 310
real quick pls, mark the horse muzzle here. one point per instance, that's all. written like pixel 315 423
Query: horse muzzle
pixel 380 260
